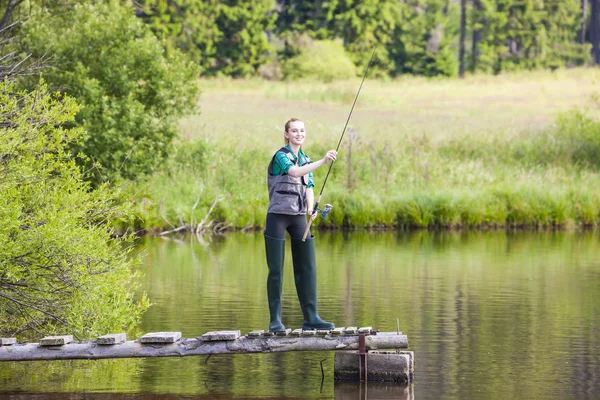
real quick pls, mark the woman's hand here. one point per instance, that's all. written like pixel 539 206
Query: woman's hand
pixel 330 156
pixel 312 214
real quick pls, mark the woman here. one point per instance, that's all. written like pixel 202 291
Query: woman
pixel 291 196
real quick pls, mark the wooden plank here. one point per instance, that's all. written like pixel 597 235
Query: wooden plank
pixel 338 331
pixel 255 334
pixel 308 332
pixel 195 347
pixel 113 338
pixel 8 341
pixel 56 340
pixel 352 330
pixel 297 332
pixel 160 337
pixel 323 332
pixel 283 333
pixel 219 335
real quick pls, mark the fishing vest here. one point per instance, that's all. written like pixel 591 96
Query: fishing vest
pixel 287 195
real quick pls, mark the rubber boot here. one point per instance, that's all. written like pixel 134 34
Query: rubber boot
pixel 305 276
pixel 275 249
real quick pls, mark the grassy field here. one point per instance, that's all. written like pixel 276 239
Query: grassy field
pixel 514 150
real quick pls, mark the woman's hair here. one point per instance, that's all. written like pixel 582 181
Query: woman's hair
pixel 287 127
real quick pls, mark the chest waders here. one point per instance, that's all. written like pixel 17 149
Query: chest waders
pixel 284 192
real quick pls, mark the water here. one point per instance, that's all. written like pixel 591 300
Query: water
pixel 489 315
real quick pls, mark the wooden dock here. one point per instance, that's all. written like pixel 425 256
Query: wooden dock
pixel 171 344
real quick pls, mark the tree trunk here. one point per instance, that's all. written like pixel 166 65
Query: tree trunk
pixel 476 35
pixel 595 30
pixel 461 43
pixel 583 21
pixel 10 7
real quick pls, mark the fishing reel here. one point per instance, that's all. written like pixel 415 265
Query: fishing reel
pixel 326 211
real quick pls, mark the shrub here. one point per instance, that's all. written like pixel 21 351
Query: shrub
pixel 131 93
pixel 325 60
pixel 60 270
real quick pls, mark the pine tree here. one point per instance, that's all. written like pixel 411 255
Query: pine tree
pixel 223 37
pixel 423 41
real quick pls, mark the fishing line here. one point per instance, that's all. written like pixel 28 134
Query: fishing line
pixel 345 126
pixel 329 207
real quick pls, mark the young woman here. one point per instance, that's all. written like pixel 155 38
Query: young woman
pixel 291 197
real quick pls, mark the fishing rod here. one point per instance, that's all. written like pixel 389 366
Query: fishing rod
pixel 329 207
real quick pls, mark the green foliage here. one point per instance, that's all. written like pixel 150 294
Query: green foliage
pixel 223 37
pixel 60 269
pixel 424 38
pixel 417 37
pixel 323 60
pixel 528 34
pixel 362 24
pixel 409 40
pixel 131 93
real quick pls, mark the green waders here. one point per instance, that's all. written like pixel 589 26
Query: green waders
pixel 305 277
pixel 275 255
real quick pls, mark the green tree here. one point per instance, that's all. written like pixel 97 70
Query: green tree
pixel 425 37
pixel 60 269
pixel 527 34
pixel 364 23
pixel 132 94
pixel 187 25
pixel 325 60
pixel 223 37
pixel 360 24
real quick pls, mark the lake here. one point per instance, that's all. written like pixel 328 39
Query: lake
pixel 489 315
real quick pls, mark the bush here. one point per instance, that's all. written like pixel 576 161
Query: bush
pixel 131 93
pixel 325 60
pixel 60 270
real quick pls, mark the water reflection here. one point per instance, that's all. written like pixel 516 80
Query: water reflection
pixel 489 315
pixel 342 391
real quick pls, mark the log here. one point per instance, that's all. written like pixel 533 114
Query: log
pixel 195 347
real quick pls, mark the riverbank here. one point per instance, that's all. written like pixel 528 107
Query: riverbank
pixel 510 151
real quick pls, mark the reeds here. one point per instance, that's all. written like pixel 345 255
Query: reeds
pixel 399 175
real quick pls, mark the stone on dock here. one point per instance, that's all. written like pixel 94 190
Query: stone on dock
pixel 382 366
pixel 297 332
pixel 323 332
pixel 113 338
pixel 283 333
pixel 56 340
pixel 161 337
pixel 365 330
pixel 8 341
pixel 338 331
pixel 352 330
pixel 308 332
pixel 256 334
pixel 219 336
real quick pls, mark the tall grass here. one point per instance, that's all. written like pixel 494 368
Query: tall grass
pixel 531 169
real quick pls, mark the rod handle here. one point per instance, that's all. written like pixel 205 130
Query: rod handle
pixel 307 230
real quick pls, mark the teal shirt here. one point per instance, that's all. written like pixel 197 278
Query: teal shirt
pixel 283 163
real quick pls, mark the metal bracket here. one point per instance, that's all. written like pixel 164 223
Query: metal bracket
pixel 362 355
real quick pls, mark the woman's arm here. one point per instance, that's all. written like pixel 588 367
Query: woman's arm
pixel 297 172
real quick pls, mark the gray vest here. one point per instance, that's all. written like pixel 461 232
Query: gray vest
pixel 287 195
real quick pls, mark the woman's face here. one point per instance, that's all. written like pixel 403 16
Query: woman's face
pixel 296 133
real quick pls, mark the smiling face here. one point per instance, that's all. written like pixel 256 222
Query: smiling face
pixel 295 133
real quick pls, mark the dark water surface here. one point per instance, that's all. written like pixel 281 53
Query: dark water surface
pixel 489 315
